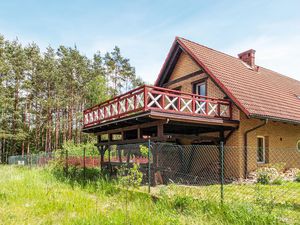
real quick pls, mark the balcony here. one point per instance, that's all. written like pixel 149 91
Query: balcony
pixel 156 99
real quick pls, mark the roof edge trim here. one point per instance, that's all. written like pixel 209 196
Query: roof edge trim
pixel 222 86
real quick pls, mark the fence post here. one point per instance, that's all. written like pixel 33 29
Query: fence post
pixel 149 165
pixel 84 172
pixel 30 158
pixel 222 170
pixel 67 163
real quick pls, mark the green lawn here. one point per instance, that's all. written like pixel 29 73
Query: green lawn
pixel 35 196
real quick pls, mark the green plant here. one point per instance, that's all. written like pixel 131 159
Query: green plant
pixel 77 149
pixel 278 181
pixel 182 203
pixel 263 178
pixel 130 177
pixel 298 177
pixel 265 175
pixel 144 150
pixel 265 200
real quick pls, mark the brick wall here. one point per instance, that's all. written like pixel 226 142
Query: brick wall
pixel 185 65
pixel 282 140
pixel 282 137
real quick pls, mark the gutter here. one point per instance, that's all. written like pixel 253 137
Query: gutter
pixel 278 119
pixel 246 145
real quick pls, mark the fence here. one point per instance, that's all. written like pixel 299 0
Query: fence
pixel 43 159
pixel 207 172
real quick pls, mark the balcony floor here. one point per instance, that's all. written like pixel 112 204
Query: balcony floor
pixel 192 122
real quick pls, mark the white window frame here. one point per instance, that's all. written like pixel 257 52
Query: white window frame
pixel 264 149
pixel 199 84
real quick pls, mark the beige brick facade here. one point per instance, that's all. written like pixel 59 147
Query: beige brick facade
pixel 281 137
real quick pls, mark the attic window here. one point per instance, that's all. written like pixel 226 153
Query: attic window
pixel 298 96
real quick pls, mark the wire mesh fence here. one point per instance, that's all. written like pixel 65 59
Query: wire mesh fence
pixel 268 178
pixel 40 159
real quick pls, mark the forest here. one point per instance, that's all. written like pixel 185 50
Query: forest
pixel 43 93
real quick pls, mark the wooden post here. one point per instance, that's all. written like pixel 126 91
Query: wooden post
pixel 138 133
pixel 160 130
pixel 101 151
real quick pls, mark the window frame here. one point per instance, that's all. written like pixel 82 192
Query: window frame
pixel 264 150
pixel 197 83
pixel 298 145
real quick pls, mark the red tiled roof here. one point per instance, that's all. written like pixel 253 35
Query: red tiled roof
pixel 261 92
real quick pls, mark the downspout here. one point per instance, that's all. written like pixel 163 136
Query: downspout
pixel 246 145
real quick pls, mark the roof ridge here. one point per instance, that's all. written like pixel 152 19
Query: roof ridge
pixel 209 48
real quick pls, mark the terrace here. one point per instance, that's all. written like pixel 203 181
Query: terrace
pixel 158 103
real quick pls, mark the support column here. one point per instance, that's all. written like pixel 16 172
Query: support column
pixel 102 150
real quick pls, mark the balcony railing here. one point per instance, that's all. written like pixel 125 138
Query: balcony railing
pixel 159 99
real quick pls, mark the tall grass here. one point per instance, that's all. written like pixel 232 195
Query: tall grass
pixel 39 196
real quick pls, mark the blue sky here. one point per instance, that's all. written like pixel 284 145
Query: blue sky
pixel 145 30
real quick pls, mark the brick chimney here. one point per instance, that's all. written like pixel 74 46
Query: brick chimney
pixel 248 57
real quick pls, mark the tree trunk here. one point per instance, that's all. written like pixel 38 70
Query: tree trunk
pixel 57 125
pixel 70 115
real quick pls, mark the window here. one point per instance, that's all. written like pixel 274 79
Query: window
pixel 298 145
pixel 200 88
pixel 261 150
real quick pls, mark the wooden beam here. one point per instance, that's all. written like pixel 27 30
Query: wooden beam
pixel 134 141
pixel 190 75
pixel 194 119
pixel 134 127
pixel 191 136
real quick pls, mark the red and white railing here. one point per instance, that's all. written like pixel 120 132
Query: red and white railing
pixel 160 99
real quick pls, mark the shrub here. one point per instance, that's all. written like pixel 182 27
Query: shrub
pixel 144 150
pixel 77 149
pixel 266 175
pixel 131 177
pixel 277 181
pixel 263 178
pixel 298 177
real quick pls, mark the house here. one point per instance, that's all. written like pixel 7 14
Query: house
pixel 203 96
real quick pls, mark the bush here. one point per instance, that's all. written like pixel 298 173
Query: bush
pixel 266 175
pixel 298 177
pixel 144 150
pixel 263 178
pixel 277 181
pixel 130 177
pixel 77 149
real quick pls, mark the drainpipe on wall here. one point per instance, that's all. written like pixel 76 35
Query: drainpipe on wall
pixel 246 145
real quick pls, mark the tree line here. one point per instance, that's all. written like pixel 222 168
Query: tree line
pixel 43 94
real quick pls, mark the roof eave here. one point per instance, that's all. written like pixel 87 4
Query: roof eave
pixel 274 118
pixel 161 72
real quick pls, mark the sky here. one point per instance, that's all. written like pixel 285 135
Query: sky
pixel 145 30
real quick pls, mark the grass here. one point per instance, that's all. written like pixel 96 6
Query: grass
pixel 36 196
pixel 282 201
